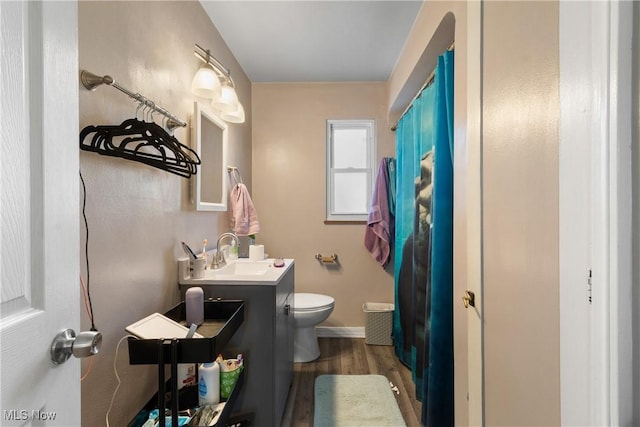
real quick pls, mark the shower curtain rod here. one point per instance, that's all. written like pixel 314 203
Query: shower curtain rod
pixel 426 84
pixel 92 81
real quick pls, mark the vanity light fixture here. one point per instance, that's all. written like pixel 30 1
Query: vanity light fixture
pixel 227 101
pixel 205 83
pixel 213 81
pixel 236 116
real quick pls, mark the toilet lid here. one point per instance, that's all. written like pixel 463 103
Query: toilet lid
pixel 303 302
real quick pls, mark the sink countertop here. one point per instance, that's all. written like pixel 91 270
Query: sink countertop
pixel 213 277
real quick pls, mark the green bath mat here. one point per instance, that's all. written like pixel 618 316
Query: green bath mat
pixel 355 401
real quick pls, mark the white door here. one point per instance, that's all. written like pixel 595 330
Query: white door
pixel 39 234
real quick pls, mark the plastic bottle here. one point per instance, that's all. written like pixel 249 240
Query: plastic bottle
pixel 233 250
pixel 209 383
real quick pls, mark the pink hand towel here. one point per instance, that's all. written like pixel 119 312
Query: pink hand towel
pixel 244 218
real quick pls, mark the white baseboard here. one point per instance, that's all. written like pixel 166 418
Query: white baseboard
pixel 340 332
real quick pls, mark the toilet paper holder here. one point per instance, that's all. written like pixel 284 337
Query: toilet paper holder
pixel 327 259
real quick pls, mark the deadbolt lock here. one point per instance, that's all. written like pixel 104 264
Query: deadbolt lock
pixel 469 299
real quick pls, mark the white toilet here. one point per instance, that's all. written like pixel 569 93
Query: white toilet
pixel 308 311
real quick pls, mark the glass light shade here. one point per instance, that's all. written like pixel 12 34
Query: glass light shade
pixel 205 83
pixel 236 116
pixel 228 100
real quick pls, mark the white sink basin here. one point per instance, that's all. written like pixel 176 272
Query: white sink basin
pixel 244 267
pixel 241 270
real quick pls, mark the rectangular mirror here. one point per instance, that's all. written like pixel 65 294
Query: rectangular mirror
pixel 210 136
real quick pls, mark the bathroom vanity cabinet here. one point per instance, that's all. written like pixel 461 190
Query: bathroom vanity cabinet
pixel 265 339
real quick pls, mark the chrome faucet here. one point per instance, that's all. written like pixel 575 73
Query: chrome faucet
pixel 218 259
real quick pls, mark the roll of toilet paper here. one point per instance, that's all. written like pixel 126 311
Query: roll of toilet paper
pixel 256 252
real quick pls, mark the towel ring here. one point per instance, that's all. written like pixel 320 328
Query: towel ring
pixel 235 174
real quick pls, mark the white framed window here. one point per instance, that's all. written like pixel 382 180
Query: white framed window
pixel 350 169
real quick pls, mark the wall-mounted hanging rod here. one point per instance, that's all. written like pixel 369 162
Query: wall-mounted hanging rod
pixel 92 81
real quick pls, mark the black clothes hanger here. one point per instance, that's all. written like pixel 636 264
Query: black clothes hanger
pixel 144 142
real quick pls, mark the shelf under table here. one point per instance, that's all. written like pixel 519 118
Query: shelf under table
pixel 222 320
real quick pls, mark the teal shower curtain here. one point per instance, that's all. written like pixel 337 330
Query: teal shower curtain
pixel 423 272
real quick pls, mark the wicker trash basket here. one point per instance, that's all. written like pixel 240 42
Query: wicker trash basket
pixel 379 323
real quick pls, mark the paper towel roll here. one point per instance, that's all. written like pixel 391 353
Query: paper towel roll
pixel 256 252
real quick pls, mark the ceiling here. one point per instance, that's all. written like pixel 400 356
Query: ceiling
pixel 314 41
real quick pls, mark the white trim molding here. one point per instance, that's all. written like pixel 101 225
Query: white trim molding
pixel 474 233
pixel 595 213
pixel 340 332
pixel 578 113
pixel 620 214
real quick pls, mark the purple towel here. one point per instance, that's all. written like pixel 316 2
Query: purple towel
pixel 378 237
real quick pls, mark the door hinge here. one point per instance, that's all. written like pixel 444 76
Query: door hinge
pixel 589 288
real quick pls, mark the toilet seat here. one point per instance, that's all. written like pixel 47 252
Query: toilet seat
pixel 311 302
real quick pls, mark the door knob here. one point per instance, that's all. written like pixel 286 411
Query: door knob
pixel 66 343
pixel 469 299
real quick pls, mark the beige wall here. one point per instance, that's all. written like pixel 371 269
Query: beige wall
pixel 138 215
pixel 289 135
pixel 520 211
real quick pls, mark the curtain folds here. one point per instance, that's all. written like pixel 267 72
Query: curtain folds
pixel 423 267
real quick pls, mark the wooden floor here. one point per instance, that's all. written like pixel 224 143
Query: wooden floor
pixel 349 356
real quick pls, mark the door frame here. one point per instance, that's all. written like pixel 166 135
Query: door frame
pixel 595 213
pixel 474 186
